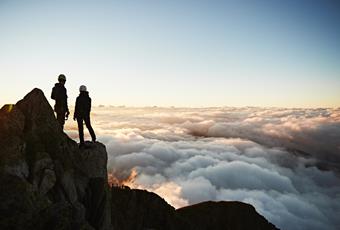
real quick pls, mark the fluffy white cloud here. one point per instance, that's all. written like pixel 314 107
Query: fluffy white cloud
pixel 285 162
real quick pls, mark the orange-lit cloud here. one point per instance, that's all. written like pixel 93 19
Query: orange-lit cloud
pixel 285 160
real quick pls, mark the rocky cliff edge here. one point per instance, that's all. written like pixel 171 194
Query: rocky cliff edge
pixel 46 181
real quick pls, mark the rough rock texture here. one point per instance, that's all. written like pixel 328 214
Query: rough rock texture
pixel 46 181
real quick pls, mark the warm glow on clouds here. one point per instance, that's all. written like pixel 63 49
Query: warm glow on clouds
pixel 285 162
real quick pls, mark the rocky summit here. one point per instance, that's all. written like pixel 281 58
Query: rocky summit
pixel 47 182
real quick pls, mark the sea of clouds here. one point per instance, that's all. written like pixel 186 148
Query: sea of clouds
pixel 285 162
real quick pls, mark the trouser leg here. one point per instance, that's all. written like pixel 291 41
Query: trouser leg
pixel 81 130
pixel 89 127
pixel 61 119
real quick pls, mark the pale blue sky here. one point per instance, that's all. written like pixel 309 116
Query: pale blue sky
pixel 181 53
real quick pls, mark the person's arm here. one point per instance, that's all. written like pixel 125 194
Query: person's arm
pixel 67 111
pixel 76 110
pixel 90 102
pixel 53 93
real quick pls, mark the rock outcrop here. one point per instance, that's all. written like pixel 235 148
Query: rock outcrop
pixel 134 209
pixel 47 182
pixel 224 215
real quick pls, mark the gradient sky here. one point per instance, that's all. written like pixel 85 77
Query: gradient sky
pixel 180 53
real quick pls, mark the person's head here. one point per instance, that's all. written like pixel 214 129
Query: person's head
pixel 82 88
pixel 62 78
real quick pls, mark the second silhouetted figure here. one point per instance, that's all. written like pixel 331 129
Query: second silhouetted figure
pixel 82 113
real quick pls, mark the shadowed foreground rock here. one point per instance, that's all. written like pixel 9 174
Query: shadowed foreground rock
pixel 46 182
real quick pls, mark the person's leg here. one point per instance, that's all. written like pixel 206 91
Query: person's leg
pixel 89 127
pixel 61 119
pixel 81 130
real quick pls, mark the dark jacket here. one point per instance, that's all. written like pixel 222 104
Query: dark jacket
pixel 59 94
pixel 83 105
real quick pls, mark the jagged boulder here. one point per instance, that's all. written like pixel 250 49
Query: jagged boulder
pixel 46 181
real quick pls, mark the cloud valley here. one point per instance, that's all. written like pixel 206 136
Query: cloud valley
pixel 285 162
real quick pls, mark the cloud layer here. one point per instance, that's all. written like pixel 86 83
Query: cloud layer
pixel 285 162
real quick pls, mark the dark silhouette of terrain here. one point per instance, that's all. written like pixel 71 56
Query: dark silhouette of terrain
pixel 224 215
pixel 47 182
pixel 143 210
pixel 146 210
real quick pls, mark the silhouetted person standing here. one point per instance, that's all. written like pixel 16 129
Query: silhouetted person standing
pixel 82 113
pixel 59 94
